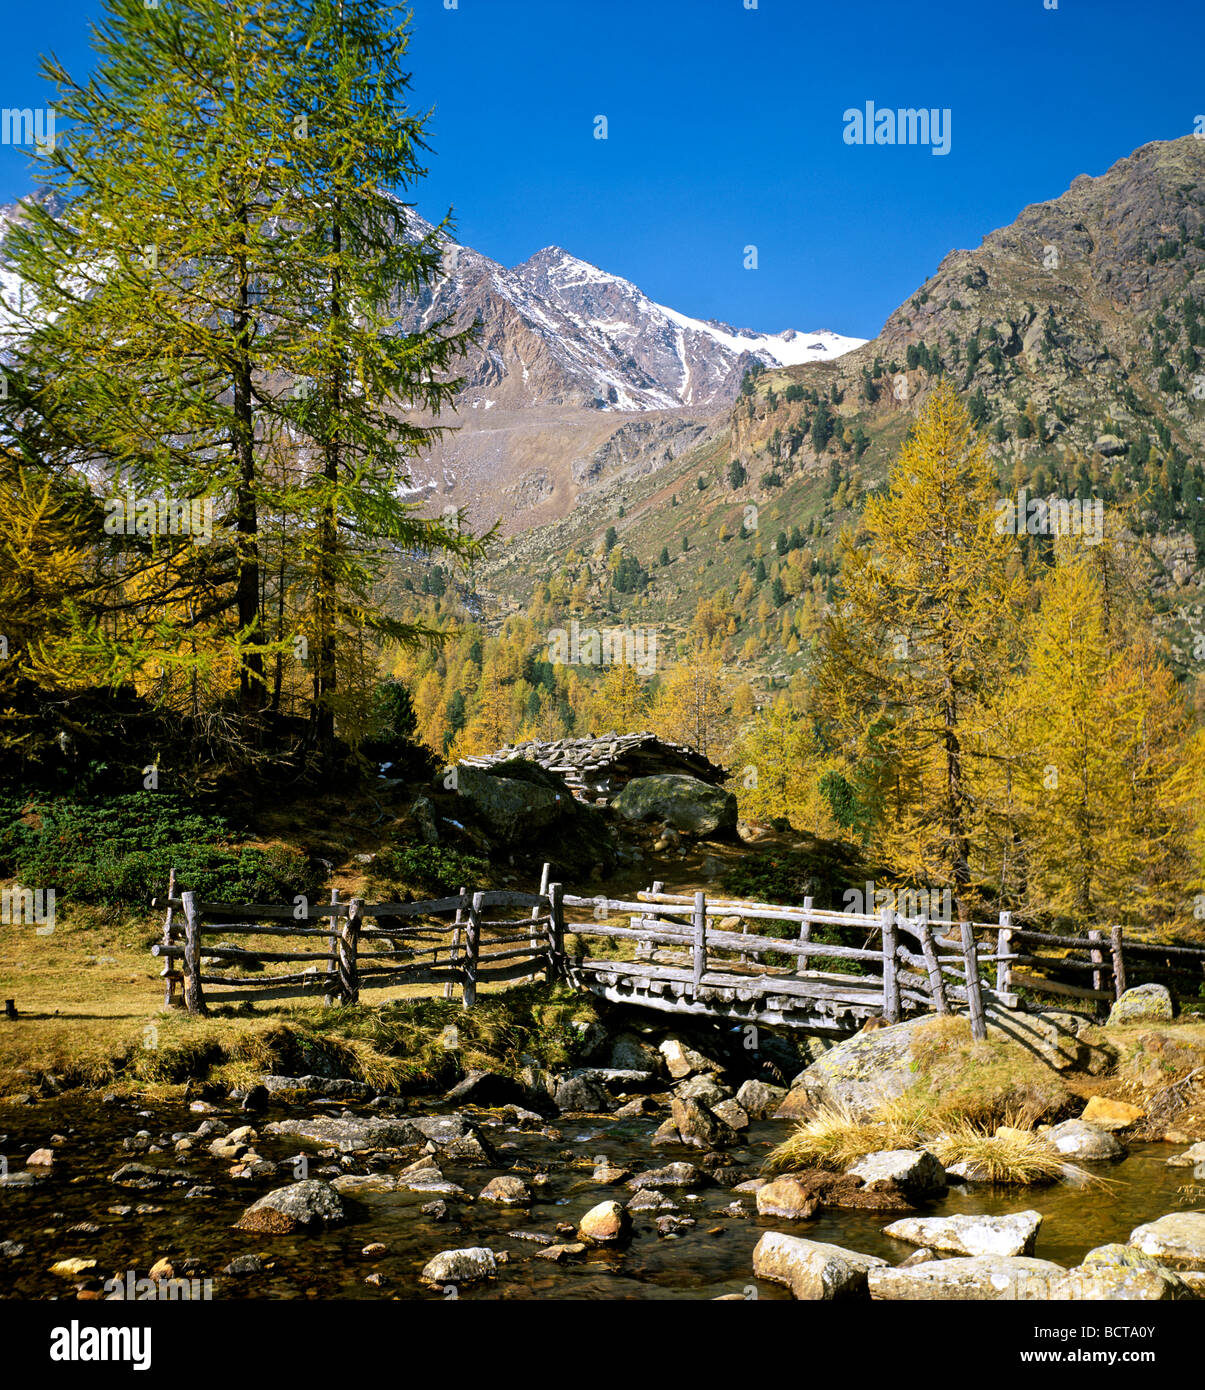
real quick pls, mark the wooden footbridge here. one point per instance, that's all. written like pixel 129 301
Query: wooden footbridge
pixel 806 968
pixel 820 971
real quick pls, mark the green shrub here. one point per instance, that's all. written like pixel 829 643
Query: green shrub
pixel 120 850
pixel 437 871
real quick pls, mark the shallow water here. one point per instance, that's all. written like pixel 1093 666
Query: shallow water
pixel 710 1258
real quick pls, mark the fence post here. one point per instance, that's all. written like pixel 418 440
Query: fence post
pixel 472 946
pixel 645 950
pixel 555 968
pixel 1098 958
pixel 970 956
pixel 805 934
pixel 1119 965
pixel 171 971
pixel 891 982
pixel 332 945
pixel 1004 948
pixel 454 952
pixel 937 984
pixel 194 995
pixel 535 912
pixel 700 942
pixel 349 945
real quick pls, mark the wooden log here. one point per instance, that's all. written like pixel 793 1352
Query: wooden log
pixel 383 977
pixel 300 977
pixel 1155 948
pixel 437 907
pixel 555 969
pixel 1042 986
pixel 805 931
pixel 523 952
pixel 891 986
pixel 472 944
pixel 974 996
pixel 272 911
pixel 1004 948
pixel 404 935
pixel 545 874
pixel 332 975
pixel 258 996
pixel 349 945
pixel 454 949
pixel 1045 938
pixel 937 984
pixel 644 951
pixel 497 897
pixel 1085 967
pixel 170 999
pixel 1119 965
pixel 256 929
pixel 235 954
pixel 861 989
pixel 495 974
pixel 734 941
pixel 1098 974
pixel 699 948
pixel 194 995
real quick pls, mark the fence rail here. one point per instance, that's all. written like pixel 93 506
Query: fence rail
pixel 692 954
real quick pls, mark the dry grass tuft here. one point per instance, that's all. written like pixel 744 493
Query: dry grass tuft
pixel 834 1138
pixel 1013 1156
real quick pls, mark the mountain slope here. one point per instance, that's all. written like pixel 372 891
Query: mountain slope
pixel 1078 335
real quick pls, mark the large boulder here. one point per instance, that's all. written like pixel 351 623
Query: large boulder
pixel 788 1199
pixel 1090 1143
pixel 302 1206
pixel 350 1135
pixel 916 1172
pixel 759 1100
pixel 685 803
pixel 1177 1240
pixel 1113 1272
pixel 811 1269
pixel 1143 1004
pixel 461 1266
pixel 584 1093
pixel 1113 1115
pixel 672 1175
pixel 975 1277
pixel 860 1074
pixel 1013 1234
pixel 1192 1157
pixel 705 1089
pixel 682 1061
pixel 606 1224
pixel 696 1125
pixel 512 808
pixel 1111 1285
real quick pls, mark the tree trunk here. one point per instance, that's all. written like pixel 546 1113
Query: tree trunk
pixel 251 670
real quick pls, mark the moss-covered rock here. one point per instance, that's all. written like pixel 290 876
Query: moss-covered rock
pixel 685 803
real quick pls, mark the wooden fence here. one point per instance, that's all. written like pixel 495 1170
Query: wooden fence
pixel 1097 968
pixel 335 950
pixel 688 953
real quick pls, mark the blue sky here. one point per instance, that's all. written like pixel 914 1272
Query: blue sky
pixel 725 129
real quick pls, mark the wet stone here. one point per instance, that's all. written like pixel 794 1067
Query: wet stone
pixel 536 1237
